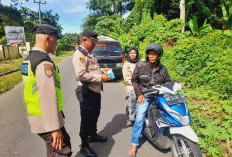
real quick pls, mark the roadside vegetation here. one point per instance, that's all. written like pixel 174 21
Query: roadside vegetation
pixel 203 50
pixel 10 71
pixel 16 15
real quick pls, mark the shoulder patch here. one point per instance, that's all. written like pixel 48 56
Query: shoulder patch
pixel 82 59
pixel 48 72
pixel 49 66
pixel 48 69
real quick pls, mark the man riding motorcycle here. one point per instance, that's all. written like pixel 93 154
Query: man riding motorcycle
pixel 146 74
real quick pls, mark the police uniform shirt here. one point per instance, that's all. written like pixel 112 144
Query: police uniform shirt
pixel 87 70
pixel 50 119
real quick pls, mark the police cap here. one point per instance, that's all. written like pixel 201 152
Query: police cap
pixel 90 34
pixel 47 29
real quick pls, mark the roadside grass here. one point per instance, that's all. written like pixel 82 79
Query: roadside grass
pixel 10 80
pixel 10 65
pixel 56 59
pixel 65 53
pixel 212 121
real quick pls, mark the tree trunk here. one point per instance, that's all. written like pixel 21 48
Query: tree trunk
pixel 182 13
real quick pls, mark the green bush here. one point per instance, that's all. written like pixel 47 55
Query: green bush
pixel 156 30
pixel 207 61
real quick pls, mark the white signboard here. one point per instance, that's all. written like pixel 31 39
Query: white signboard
pixel 15 35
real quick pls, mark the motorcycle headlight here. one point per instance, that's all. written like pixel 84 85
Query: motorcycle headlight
pixel 184 120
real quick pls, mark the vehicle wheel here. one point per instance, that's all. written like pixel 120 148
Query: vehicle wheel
pixel 186 147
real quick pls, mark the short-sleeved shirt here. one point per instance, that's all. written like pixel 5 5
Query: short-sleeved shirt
pixel 87 70
pixel 50 119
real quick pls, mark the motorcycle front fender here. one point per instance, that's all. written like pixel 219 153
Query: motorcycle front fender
pixel 185 131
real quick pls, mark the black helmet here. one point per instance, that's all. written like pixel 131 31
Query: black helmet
pixel 157 47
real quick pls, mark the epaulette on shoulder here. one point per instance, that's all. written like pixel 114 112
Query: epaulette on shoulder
pixel 36 57
pixel 83 51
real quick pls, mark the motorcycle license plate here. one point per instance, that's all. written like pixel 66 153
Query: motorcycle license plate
pixel 176 99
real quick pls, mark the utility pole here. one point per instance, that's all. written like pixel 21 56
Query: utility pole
pixel 39 8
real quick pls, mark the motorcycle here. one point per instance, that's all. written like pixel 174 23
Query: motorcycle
pixel 167 121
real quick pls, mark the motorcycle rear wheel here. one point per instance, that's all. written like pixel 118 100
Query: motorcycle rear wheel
pixel 186 147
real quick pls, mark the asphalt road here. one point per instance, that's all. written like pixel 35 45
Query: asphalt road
pixel 17 140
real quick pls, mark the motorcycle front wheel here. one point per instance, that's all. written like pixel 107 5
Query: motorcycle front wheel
pixel 185 147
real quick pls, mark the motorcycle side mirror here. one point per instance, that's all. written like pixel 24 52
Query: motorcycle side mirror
pixel 182 73
pixel 157 86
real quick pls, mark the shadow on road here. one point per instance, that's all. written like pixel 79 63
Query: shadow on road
pixel 112 128
pixel 143 139
pixel 113 81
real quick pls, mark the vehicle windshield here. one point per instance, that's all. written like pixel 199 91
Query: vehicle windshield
pixel 107 49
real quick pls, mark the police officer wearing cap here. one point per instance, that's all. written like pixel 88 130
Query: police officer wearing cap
pixel 43 95
pixel 89 77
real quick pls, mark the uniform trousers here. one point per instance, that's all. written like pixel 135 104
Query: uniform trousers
pixel 90 110
pixel 51 151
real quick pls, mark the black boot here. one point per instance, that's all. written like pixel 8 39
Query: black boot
pixel 88 151
pixel 97 138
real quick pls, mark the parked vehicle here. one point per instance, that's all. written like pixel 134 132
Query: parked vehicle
pixel 167 122
pixel 108 53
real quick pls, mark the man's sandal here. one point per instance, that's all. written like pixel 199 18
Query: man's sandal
pixel 132 152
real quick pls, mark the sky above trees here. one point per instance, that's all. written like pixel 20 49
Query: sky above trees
pixel 71 12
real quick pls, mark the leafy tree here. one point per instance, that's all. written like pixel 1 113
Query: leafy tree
pixel 48 18
pixel 9 17
pixel 196 30
pixel 109 26
pixel 109 7
pixel 227 13
pixel 68 42
pixel 30 18
pixel 100 8
pixel 90 22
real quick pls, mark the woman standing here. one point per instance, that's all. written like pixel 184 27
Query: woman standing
pixel 127 70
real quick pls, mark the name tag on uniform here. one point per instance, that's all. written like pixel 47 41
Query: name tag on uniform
pixel 93 62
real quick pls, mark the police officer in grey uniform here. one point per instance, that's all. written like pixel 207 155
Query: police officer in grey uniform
pixel 43 94
pixel 90 77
